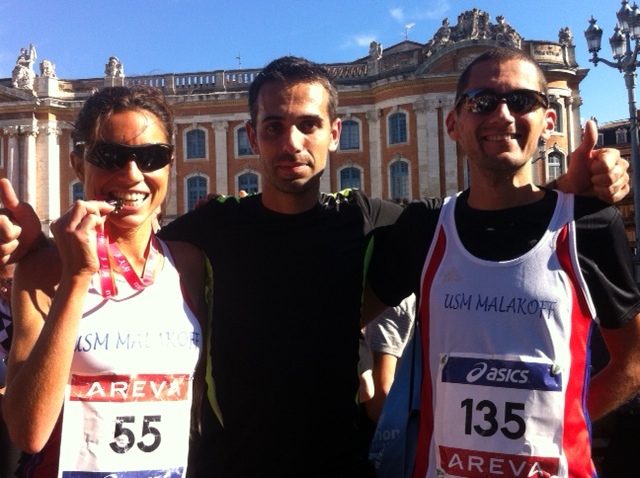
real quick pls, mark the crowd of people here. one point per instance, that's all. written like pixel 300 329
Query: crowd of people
pixel 154 352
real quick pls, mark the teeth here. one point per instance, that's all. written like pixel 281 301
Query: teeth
pixel 501 137
pixel 129 198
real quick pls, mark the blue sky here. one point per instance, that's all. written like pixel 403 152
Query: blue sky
pixel 157 36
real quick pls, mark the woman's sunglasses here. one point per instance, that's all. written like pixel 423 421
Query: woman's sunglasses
pixel 113 156
pixel 483 101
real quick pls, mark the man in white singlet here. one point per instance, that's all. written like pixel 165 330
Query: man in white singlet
pixel 512 278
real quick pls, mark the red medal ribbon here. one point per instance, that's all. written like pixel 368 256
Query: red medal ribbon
pixel 107 282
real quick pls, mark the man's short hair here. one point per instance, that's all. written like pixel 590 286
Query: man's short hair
pixel 290 70
pixel 499 55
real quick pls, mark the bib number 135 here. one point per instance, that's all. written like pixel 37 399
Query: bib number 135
pixel 483 418
pixel 124 437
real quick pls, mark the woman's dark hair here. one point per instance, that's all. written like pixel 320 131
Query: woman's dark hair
pixel 104 103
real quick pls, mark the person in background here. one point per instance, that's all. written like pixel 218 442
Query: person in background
pixel 9 454
pixel 381 346
pixel 109 324
pixel 288 267
pixel 512 279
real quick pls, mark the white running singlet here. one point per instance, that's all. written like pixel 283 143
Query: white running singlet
pixel 127 409
pixel 505 358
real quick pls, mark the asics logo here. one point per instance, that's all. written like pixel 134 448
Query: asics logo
pixel 495 374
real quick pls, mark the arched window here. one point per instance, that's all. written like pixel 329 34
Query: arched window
pixel 350 135
pixel 554 165
pixel 77 192
pixel 559 124
pixel 621 136
pixel 397 128
pixel 196 189
pixel 399 173
pixel 196 144
pixel 350 178
pixel 244 148
pixel 248 182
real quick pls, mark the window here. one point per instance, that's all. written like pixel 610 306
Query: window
pixel 397 128
pixel 558 126
pixel 196 189
pixel 399 180
pixel 554 166
pixel 350 178
pixel 600 141
pixel 621 136
pixel 196 144
pixel 77 192
pixel 248 182
pixel 350 135
pixel 244 149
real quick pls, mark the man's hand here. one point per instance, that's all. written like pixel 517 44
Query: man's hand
pixel 601 172
pixel 19 226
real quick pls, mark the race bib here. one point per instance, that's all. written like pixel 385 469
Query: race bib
pixel 126 426
pixel 498 417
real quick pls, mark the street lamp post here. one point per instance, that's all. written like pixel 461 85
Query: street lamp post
pixel 626 61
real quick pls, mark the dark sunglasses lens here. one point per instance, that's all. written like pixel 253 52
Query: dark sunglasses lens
pixel 105 156
pixel 522 101
pixel 115 156
pixel 482 102
pixel 153 157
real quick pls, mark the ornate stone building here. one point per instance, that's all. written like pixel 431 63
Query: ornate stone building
pixel 616 134
pixel 393 104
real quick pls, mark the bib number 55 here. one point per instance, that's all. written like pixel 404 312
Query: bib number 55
pixel 124 438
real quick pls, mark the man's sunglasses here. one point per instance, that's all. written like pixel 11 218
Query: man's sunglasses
pixel 113 156
pixel 483 101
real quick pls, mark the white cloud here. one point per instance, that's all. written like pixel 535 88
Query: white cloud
pixel 437 10
pixel 358 40
pixel 397 14
pixel 440 7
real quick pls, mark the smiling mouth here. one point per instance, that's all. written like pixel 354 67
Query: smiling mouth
pixel 128 199
pixel 501 137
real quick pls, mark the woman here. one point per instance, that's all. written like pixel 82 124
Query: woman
pixel 108 325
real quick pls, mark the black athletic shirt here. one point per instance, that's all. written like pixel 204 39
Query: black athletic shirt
pixel 284 336
pixel 603 251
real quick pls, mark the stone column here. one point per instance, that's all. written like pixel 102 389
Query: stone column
pixel 430 170
pixel 375 154
pixel 450 151
pixel 48 172
pixel 220 156
pixel 29 172
pixel 573 134
pixel 422 141
pixel 12 163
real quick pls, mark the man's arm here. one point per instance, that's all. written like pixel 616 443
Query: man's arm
pixel 382 373
pixel 595 172
pixel 619 380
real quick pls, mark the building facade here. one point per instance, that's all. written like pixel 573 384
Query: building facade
pixel 393 105
pixel 617 134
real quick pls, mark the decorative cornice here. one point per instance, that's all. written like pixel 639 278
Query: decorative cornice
pixel 473 25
